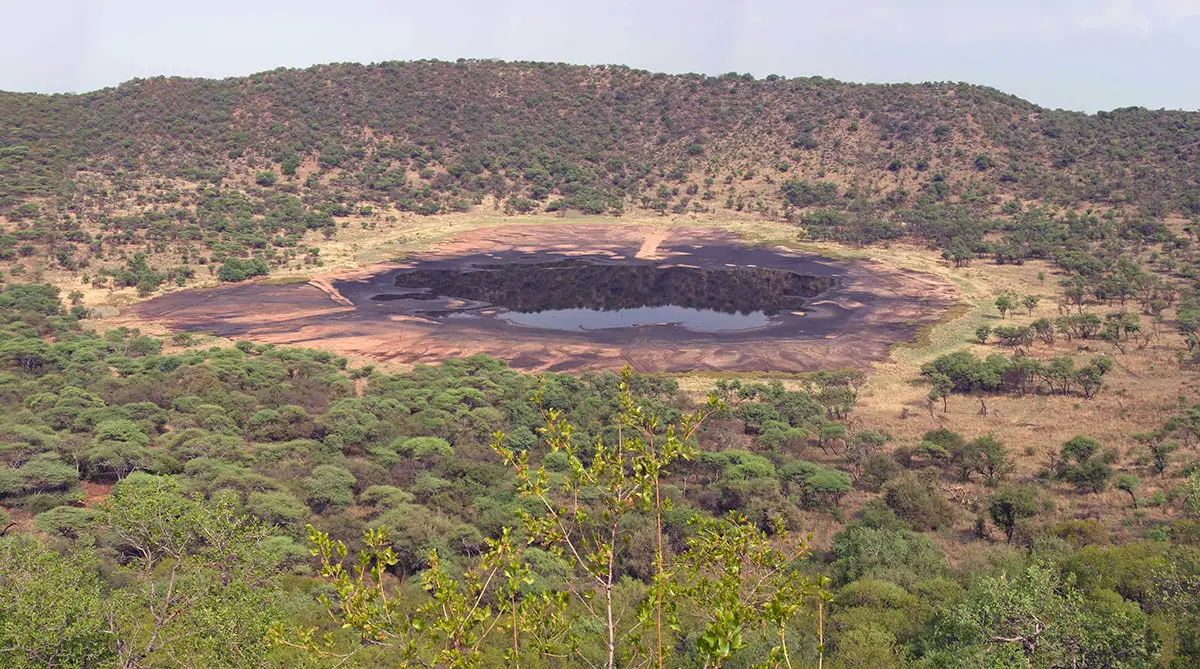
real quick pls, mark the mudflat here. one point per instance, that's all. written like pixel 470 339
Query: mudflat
pixel 858 310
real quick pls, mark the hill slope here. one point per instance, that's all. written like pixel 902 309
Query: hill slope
pixel 433 136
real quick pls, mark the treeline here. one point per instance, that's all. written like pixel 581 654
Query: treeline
pixel 963 372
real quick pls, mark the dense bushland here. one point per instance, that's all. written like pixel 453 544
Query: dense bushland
pixel 163 495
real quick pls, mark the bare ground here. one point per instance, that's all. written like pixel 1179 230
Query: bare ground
pixel 875 305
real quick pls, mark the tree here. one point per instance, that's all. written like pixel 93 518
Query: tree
pixel 989 457
pixel 982 333
pixel 620 479
pixel 735 579
pixel 52 612
pixel 450 628
pixel 201 587
pixel 942 387
pixel 1004 304
pixel 41 298
pixel 329 486
pixel 1086 464
pixel 918 502
pixel 829 433
pixel 1039 618
pixel 119 448
pixel 70 522
pixel 276 508
pixel 892 554
pixel 1129 484
pixel 1009 505
pixel 1030 303
pixel 237 269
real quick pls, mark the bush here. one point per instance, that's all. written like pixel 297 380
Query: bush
pixel 895 555
pixel 385 496
pixel 66 521
pixel 1086 464
pixel 329 486
pixel 918 503
pixel 425 448
pixel 237 269
pixel 1012 504
pixel 276 508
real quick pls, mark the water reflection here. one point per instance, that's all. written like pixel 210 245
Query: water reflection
pixel 579 294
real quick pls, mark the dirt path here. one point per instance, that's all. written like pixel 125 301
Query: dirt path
pixel 649 249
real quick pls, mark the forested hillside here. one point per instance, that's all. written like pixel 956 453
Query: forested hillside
pixel 241 177
pixel 434 136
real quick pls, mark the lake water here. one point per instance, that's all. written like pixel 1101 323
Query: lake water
pixel 584 294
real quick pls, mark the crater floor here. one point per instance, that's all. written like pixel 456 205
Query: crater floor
pixel 585 297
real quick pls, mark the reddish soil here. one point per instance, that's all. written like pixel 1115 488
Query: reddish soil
pixel 852 325
pixel 94 493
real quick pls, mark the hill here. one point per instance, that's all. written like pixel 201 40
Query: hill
pixel 435 136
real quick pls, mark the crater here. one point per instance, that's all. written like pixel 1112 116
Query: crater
pixel 580 294
pixel 573 297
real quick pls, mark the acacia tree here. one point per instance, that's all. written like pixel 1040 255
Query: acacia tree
pixel 451 628
pixel 1004 304
pixel 734 578
pixel 622 479
pixel 1012 504
pixel 201 586
pixel 1039 618
pixel 52 611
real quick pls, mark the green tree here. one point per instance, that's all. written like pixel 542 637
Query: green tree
pixel 1009 505
pixel 582 522
pixel 989 457
pixel 1004 304
pixel 918 502
pixel 201 588
pixel 735 579
pixel 1128 483
pixel 1030 303
pixel 1038 618
pixel 52 613
pixel 329 486
pixel 451 627
pixel 1086 464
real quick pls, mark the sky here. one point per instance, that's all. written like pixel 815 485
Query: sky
pixel 1085 55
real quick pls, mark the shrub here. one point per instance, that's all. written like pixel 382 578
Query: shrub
pixel 276 508
pixel 895 555
pixel 918 502
pixel 66 521
pixel 329 486
pixel 237 269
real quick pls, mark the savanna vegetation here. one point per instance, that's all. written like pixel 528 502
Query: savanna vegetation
pixel 164 497
pixel 233 178
pixel 179 500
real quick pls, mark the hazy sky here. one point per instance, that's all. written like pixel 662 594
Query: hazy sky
pixel 1074 54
